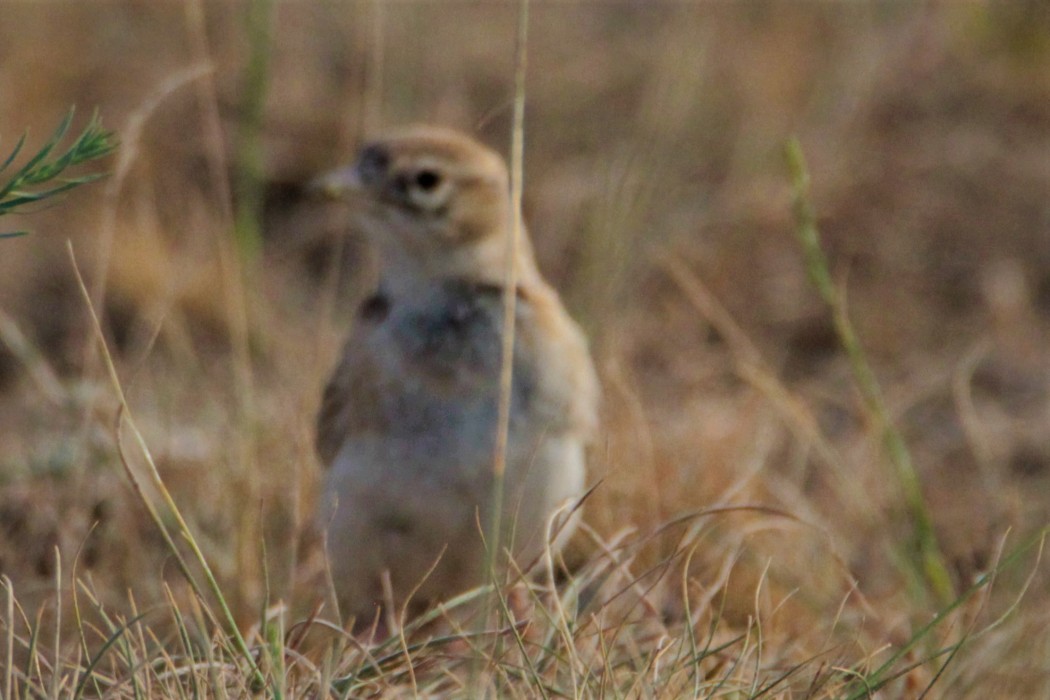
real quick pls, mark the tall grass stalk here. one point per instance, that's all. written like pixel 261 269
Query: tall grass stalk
pixel 510 283
pixel 126 417
pixel 249 160
pixel 236 251
pixel 931 565
pixel 9 641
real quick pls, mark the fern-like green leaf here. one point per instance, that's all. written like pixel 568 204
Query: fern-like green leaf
pixel 41 177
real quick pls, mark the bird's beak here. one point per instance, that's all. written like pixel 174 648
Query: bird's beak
pixel 337 184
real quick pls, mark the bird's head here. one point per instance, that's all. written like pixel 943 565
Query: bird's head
pixel 431 199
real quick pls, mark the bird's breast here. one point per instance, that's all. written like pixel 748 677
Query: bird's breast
pixel 440 359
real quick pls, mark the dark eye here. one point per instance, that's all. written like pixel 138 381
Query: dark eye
pixel 427 180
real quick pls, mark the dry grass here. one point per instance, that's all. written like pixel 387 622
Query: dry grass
pixel 747 533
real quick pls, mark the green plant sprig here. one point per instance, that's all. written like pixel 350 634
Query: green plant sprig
pixel 40 177
pixel 931 565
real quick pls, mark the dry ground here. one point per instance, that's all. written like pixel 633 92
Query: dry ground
pixel 656 192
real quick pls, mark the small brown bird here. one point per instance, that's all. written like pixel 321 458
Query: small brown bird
pixel 408 420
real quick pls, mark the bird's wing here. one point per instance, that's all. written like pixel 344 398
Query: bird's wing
pixel 350 400
pixel 569 391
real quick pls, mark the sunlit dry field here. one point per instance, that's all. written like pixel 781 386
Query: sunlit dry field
pixel 749 533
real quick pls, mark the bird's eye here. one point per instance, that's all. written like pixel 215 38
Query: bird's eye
pixel 427 180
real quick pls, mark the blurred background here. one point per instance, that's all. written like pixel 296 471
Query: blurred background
pixel 660 206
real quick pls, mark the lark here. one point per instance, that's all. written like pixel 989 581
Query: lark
pixel 408 420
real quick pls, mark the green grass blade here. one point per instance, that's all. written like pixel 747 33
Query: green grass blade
pixel 30 166
pixel 875 680
pixel 14 153
pixel 114 638
pixel 30 197
pixel 928 558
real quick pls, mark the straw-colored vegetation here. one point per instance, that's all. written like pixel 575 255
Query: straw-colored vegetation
pixel 836 489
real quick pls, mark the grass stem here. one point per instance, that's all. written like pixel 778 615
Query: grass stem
pixel 930 564
pixel 169 502
pixel 510 281
pixel 249 162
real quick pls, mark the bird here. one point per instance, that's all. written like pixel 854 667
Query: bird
pixel 408 420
